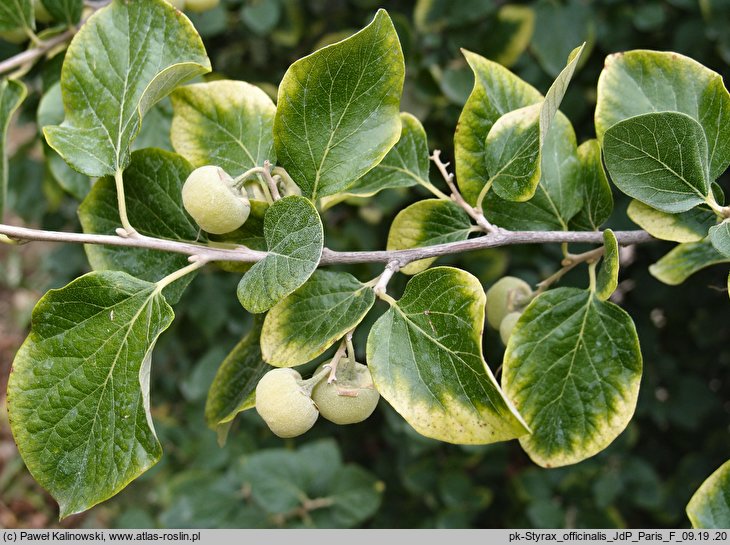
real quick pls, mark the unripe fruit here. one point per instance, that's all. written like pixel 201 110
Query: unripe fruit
pixel 41 13
pixel 284 404
pixel 201 5
pixel 508 325
pixel 210 198
pixel 351 398
pixel 506 295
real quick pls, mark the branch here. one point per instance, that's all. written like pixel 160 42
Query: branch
pixel 330 257
pixel 456 196
pixel 31 55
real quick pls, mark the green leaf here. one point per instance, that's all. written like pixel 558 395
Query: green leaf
pixel 496 92
pixel 294 239
pixel 720 237
pixel 282 481
pixel 516 165
pixel 425 355
pixel 78 396
pixel 152 184
pixel 607 279
pixel 338 109
pixel 50 112
pixel 12 94
pixel 685 260
pixel 426 223
pixel 512 154
pixel 223 123
pixel 575 23
pixel 155 132
pixel 250 234
pixel 710 505
pixel 126 58
pixel 406 164
pixel 559 195
pixel 659 159
pixel 234 386
pixel 640 82
pixel 310 320
pixel 65 11
pixel 689 226
pixel 597 197
pixel 17 14
pixel 573 369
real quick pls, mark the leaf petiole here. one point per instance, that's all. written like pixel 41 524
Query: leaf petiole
pixel 177 275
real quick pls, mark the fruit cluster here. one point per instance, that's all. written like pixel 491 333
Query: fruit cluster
pixel 290 405
pixel 506 300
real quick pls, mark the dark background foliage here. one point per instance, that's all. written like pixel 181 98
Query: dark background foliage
pixel 680 433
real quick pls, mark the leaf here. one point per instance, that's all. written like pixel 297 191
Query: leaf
pixel 152 184
pixel 514 142
pixel 224 123
pixel 496 92
pixel 425 355
pixel 234 386
pixel 689 226
pixel 559 195
pixel 283 481
pixel 516 179
pixel 155 132
pixel 607 279
pixel 639 82
pixel 310 320
pixel 64 11
pixel 573 368
pixel 250 234
pixel 659 159
pixel 575 23
pixel 294 239
pixel 426 223
pixel 126 58
pixel 337 114
pixel 406 164
pixel 720 237
pixel 710 505
pixel 78 397
pixel 685 260
pixel 512 154
pixel 50 112
pixel 16 14
pixel 12 94
pixel 597 197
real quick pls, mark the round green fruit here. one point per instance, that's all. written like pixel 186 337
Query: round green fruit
pixel 506 295
pixel 284 404
pixel 508 325
pixel 210 198
pixel 201 5
pixel 351 398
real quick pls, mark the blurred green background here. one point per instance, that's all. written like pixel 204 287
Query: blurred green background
pixel 381 474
